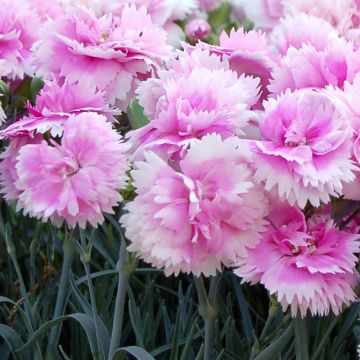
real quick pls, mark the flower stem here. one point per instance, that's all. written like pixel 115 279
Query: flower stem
pixel 209 311
pixel 301 339
pixel 85 258
pixel 69 252
pixel 125 269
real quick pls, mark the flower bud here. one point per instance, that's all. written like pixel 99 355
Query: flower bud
pixel 197 29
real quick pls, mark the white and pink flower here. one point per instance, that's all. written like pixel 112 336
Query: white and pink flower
pixel 308 265
pixel 196 217
pixel 305 151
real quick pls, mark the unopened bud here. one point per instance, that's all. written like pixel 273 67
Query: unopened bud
pixel 197 29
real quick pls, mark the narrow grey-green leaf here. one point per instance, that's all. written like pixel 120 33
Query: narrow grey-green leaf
pixel 84 320
pixel 200 355
pixel 11 338
pixel 20 310
pixel 187 348
pixel 276 347
pixel 175 337
pixel 245 312
pixel 137 352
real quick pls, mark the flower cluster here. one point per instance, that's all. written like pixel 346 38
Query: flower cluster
pixel 248 141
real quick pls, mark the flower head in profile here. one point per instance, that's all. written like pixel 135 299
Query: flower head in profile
pixel 8 173
pixel 265 14
pixel 314 31
pixel 19 29
pixel 49 9
pixel 309 266
pixel 197 96
pixel 348 98
pixel 109 53
pixel 308 67
pixel 337 12
pixel 305 151
pixel 54 105
pixel 247 53
pixel 161 11
pixel 199 216
pixel 78 180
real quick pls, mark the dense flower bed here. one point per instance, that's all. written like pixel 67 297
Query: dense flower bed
pixel 218 137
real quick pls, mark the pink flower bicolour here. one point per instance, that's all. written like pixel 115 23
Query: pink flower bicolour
pixel 8 173
pixel 305 153
pixel 265 14
pixel 198 95
pixel 161 11
pixel 308 67
pixel 349 99
pixel 78 180
pixel 314 31
pixel 54 105
pixel 198 216
pixel 337 12
pixel 110 53
pixel 19 29
pixel 248 53
pixel 306 265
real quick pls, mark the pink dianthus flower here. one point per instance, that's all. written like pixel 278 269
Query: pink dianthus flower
pixel 294 31
pixel 265 14
pixel 306 265
pixel 248 53
pixel 8 173
pixel 199 216
pixel 307 67
pixel 110 53
pixel 19 29
pixel 337 12
pixel 305 152
pixel 78 180
pixel 54 105
pixel 184 106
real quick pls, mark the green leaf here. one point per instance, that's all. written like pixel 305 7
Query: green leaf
pixel 344 331
pixel 187 348
pixel 324 339
pixel 245 312
pixel 36 85
pixel 135 318
pixel 20 310
pixel 84 320
pixel 136 115
pixel 200 355
pixel 86 307
pixel 11 338
pixel 175 337
pixel 220 16
pixel 137 352
pixel 167 347
pixel 276 347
